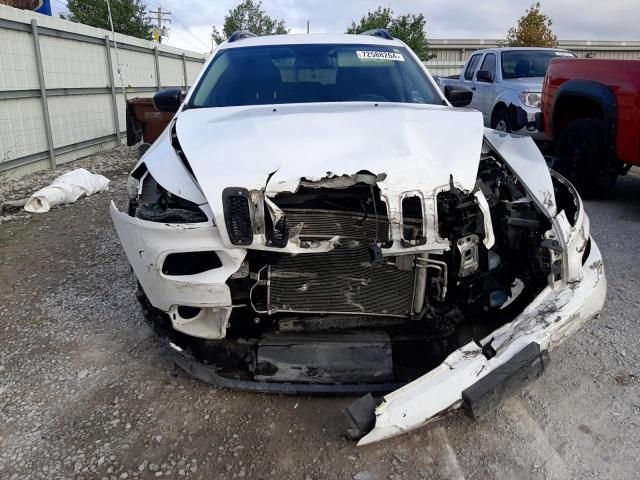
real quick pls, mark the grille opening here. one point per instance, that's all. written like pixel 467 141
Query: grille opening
pixel 356 198
pixel 276 234
pixel 326 224
pixel 188 312
pixel 356 212
pixel 238 216
pixel 190 263
pixel 412 218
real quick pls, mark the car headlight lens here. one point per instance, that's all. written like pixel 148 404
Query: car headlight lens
pixel 531 99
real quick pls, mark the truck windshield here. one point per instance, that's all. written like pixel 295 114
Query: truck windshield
pixel 312 73
pixel 529 63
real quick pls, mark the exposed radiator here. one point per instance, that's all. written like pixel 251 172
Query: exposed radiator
pixel 340 281
pixel 325 224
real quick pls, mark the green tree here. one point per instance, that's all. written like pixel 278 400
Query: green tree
pixel 248 15
pixel 533 30
pixel 409 28
pixel 129 16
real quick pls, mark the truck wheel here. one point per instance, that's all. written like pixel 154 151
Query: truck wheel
pixel 500 121
pixel 583 157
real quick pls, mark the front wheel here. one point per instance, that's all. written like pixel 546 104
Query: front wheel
pixel 500 121
pixel 583 157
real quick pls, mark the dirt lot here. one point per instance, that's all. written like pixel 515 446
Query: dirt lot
pixel 87 392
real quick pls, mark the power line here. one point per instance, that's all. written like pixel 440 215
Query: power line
pixel 161 17
pixel 186 40
pixel 184 27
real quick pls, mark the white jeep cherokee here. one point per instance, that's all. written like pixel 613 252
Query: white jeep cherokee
pixel 318 218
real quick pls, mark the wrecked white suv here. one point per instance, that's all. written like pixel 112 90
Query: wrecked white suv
pixel 318 218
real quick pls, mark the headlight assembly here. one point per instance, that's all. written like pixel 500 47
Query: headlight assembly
pixel 531 99
pixel 156 204
pixel 572 224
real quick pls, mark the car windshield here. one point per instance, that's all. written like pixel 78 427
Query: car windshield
pixel 529 63
pixel 280 74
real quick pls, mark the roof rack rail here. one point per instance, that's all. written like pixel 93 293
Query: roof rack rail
pixel 379 32
pixel 240 35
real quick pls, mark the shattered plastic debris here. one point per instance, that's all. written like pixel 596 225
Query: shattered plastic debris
pixel 67 188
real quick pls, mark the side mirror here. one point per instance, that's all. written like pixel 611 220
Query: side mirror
pixel 458 96
pixel 168 100
pixel 484 76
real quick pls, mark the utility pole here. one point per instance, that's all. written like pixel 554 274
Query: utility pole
pixel 161 18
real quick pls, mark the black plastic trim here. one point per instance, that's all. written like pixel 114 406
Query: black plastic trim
pixel 207 373
pixel 379 32
pixel 488 393
pixel 227 194
pixel 240 35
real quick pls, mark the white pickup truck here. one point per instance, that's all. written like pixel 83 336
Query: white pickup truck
pixel 501 78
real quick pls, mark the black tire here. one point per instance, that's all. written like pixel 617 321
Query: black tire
pixel 500 121
pixel 584 158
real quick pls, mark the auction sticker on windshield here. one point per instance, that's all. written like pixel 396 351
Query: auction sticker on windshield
pixel 373 55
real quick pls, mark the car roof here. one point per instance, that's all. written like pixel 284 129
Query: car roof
pixel 312 38
pixel 508 49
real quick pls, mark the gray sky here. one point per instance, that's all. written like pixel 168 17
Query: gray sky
pixel 572 19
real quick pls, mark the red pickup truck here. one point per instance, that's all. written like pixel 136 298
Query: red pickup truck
pixel 591 111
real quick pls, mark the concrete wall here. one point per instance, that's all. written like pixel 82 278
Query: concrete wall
pixel 78 74
pixel 451 54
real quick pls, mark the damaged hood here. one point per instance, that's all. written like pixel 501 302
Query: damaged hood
pixel 414 147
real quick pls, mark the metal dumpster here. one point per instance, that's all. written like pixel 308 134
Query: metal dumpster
pixel 144 122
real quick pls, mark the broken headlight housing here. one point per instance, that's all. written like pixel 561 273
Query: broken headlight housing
pixel 572 226
pixel 154 203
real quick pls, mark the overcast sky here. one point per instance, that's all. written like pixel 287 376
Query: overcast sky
pixel 572 19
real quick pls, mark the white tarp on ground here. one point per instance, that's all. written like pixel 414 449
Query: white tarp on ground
pixel 67 188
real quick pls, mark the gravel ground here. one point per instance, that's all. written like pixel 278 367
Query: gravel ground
pixel 87 392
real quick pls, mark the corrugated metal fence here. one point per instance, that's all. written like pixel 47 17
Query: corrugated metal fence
pixel 451 54
pixel 61 95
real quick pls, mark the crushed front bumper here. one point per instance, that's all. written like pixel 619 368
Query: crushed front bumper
pixel 547 321
pixel 551 317
pixel 148 244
